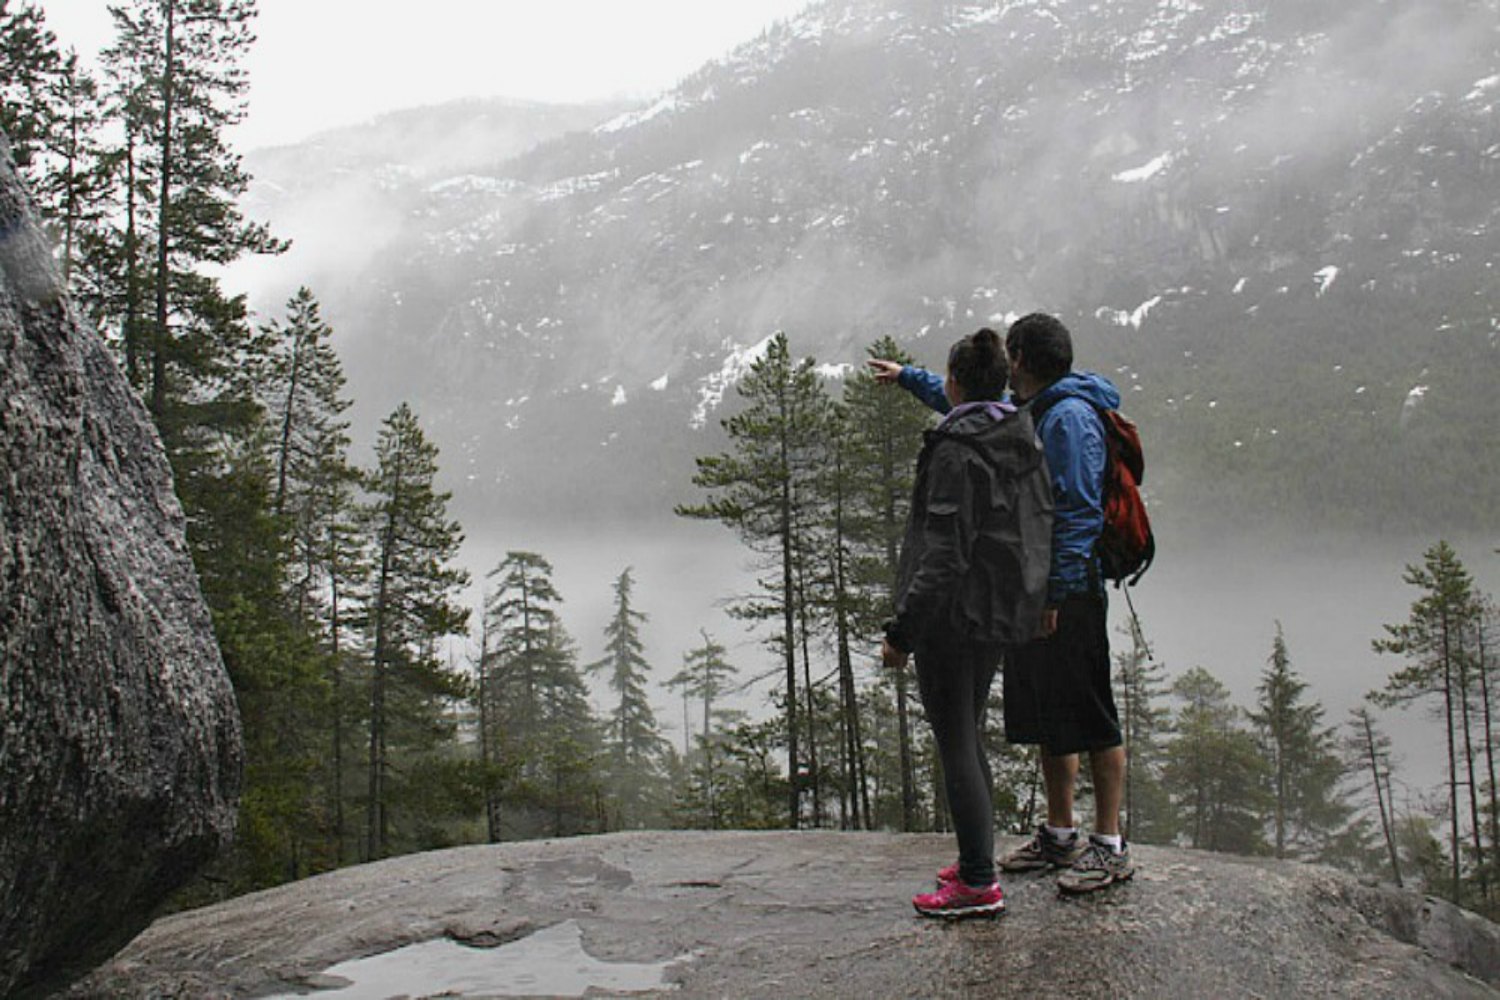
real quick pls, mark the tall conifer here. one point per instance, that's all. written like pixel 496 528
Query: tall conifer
pixel 758 489
pixel 1307 809
pixel 885 436
pixel 1431 641
pixel 411 604
pixel 633 740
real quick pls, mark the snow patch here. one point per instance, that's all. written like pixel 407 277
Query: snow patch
pixel 971 16
pixel 735 367
pixel 1409 405
pixel 631 119
pixel 660 384
pixel 1239 286
pixel 1482 87
pixel 834 371
pixel 1134 318
pixel 619 397
pixel 1146 171
pixel 573 185
pixel 1325 278
pixel 749 154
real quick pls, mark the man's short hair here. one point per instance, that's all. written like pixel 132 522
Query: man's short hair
pixel 1044 343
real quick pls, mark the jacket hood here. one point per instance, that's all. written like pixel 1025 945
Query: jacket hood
pixel 987 426
pixel 1087 386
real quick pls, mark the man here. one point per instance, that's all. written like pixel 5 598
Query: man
pixel 1057 687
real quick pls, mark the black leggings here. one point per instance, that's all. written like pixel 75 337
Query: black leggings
pixel 955 684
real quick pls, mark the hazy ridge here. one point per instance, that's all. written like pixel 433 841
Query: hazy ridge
pixel 1274 227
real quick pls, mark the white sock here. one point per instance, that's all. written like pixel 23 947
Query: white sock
pixel 1061 832
pixel 1111 840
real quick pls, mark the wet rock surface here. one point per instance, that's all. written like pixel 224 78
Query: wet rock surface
pixel 828 915
pixel 119 736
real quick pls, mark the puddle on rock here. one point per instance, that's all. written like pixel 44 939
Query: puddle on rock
pixel 550 962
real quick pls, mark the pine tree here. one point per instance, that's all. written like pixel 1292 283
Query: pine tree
pixel 1216 768
pixel 73 191
pixel 634 742
pixel 827 566
pixel 410 606
pixel 758 489
pixel 239 551
pixel 1431 640
pixel 1305 770
pixel 181 60
pixel 885 436
pixel 344 558
pixel 704 678
pixel 545 733
pixel 521 612
pixel 569 741
pixel 300 382
pixel 114 265
pixel 29 63
pixel 753 792
pixel 1145 724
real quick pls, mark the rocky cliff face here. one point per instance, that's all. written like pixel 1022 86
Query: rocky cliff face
pixel 804 915
pixel 120 750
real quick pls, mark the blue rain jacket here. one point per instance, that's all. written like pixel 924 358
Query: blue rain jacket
pixel 1072 436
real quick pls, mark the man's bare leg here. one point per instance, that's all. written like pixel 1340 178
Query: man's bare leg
pixel 1059 775
pixel 1108 769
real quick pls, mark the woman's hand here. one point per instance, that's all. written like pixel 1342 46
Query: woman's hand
pixel 1049 622
pixel 886 372
pixel 893 658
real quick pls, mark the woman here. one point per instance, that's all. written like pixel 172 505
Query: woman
pixel 972 581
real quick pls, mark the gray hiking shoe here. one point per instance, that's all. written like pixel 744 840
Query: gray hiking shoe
pixel 1096 868
pixel 1043 851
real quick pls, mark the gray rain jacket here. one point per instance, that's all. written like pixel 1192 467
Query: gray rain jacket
pixel 978 546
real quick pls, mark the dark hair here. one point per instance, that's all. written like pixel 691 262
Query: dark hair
pixel 977 363
pixel 1044 343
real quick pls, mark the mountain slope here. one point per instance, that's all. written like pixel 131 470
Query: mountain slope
pixel 1275 227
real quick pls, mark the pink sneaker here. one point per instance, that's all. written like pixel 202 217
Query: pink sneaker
pixel 954 900
pixel 947 874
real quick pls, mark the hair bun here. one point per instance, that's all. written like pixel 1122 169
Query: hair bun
pixel 987 342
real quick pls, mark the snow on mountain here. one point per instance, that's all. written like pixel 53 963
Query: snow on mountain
pixel 898 166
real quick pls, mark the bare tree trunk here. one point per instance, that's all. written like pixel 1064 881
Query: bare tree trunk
pixel 161 335
pixel 812 709
pixel 789 643
pixel 1474 825
pixel 1387 823
pixel 338 707
pixel 284 452
pixel 132 322
pixel 375 820
pixel 1453 832
pixel 903 712
pixel 486 731
pixel 1489 733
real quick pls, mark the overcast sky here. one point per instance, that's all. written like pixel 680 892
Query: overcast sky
pixel 322 63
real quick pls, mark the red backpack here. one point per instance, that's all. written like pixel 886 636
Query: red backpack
pixel 1126 546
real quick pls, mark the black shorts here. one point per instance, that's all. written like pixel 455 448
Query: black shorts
pixel 1057 690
